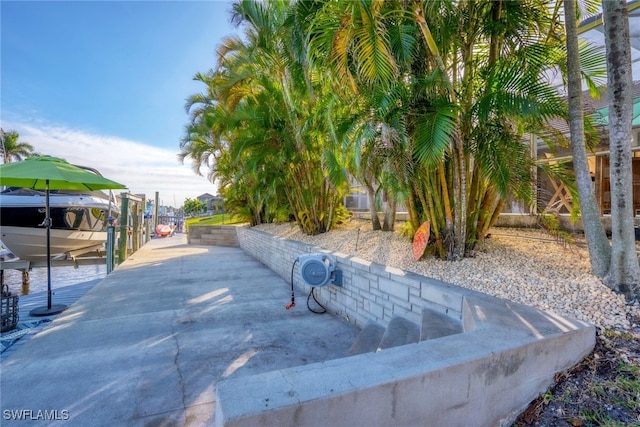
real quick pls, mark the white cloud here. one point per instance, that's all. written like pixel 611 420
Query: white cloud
pixel 144 169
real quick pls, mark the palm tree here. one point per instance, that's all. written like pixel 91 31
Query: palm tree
pixel 261 117
pixel 12 149
pixel 204 138
pixel 374 143
pixel 472 75
pixel 624 273
pixel 264 73
pixel 597 241
pixel 429 101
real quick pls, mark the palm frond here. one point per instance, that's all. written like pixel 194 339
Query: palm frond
pixel 593 67
pixel 433 132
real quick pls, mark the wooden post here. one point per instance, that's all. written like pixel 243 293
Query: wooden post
pixel 157 211
pixel 110 255
pixel 147 230
pixel 124 228
pixel 533 146
pixel 25 282
pixel 143 223
pixel 135 209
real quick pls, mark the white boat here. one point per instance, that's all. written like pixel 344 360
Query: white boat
pixel 78 222
pixel 5 253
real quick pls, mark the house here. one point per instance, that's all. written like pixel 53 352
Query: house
pixel 215 204
pixel 552 195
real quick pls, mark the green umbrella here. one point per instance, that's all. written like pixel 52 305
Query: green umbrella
pixel 51 173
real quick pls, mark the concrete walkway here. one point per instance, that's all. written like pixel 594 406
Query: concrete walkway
pixel 147 345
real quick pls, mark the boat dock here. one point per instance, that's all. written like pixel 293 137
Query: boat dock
pixel 29 325
pixel 147 344
pixel 67 262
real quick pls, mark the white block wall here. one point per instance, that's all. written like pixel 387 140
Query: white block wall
pixel 509 354
pixel 369 291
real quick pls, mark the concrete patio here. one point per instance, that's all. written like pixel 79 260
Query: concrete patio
pixel 147 345
pixel 193 335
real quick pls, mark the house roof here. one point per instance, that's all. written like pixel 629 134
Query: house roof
pixel 599 110
pixel 601 115
pixel 592 105
pixel 205 196
pixel 592 30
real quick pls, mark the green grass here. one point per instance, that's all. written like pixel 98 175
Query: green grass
pixel 610 333
pixel 622 390
pixel 626 386
pixel 219 219
pixel 600 419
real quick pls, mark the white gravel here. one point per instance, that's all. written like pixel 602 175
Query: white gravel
pixel 523 265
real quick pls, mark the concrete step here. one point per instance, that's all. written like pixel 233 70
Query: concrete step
pixel 368 340
pixel 436 324
pixel 400 332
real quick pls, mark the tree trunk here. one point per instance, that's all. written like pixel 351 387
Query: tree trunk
pixel 597 242
pixel 624 272
pixel 390 214
pixel 460 191
pixel 448 214
pixel 373 211
pixel 411 208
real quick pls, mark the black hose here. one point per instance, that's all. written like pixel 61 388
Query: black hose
pixel 293 298
pixel 312 293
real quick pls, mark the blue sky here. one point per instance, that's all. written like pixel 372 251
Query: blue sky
pixel 104 83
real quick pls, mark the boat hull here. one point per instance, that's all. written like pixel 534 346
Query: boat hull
pixel 30 244
pixel 164 230
pixel 78 223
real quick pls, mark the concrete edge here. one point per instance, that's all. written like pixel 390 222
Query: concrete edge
pixel 507 356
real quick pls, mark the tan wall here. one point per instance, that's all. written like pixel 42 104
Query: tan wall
pixel 214 235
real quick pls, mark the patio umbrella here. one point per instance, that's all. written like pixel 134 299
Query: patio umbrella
pixel 51 173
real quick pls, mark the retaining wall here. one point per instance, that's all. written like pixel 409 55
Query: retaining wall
pixel 214 235
pixel 508 355
pixel 370 291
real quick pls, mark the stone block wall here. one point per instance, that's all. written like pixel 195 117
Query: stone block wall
pixel 370 291
pixel 508 355
pixel 214 235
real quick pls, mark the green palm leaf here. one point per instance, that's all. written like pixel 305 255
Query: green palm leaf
pixel 433 132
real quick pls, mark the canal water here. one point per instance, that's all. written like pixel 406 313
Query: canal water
pixel 60 277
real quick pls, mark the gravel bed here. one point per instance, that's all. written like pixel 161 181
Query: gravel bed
pixel 527 266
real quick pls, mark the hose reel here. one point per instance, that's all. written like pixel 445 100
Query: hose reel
pixel 316 270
